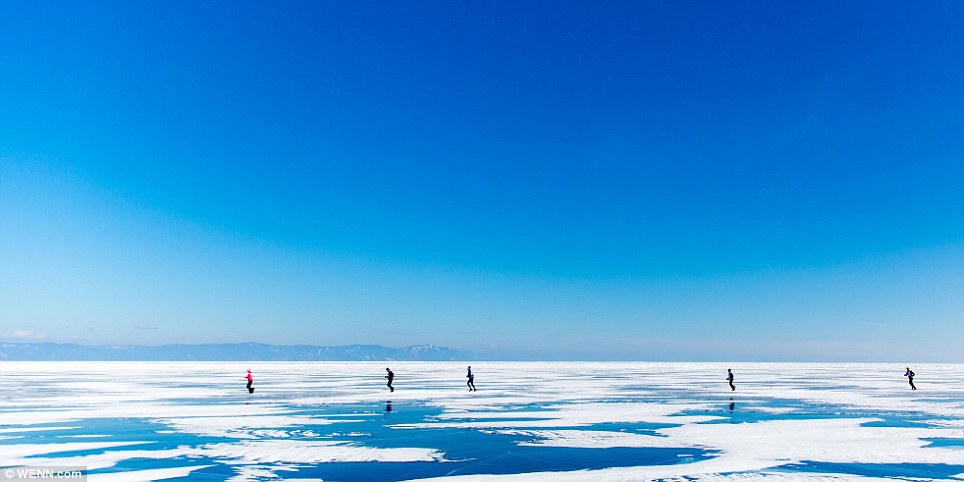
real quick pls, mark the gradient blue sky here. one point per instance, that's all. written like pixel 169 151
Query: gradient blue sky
pixel 633 180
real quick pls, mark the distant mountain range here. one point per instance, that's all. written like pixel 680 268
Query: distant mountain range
pixel 223 352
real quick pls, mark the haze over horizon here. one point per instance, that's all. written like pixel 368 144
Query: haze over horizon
pixel 623 181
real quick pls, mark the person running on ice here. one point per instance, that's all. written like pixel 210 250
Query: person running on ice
pixel 250 381
pixel 471 382
pixel 910 378
pixel 729 378
pixel 390 377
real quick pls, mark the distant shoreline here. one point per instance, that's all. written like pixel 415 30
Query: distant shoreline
pixel 225 352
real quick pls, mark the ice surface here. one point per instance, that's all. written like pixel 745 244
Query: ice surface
pixel 14 454
pixel 792 477
pixel 528 421
pixel 146 475
pixel 240 426
pixel 273 451
pixel 34 429
pixel 592 439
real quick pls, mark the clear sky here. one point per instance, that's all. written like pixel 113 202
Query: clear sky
pixel 560 180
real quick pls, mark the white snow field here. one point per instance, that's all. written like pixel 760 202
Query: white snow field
pixel 336 421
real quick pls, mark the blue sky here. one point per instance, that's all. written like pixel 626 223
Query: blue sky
pixel 653 181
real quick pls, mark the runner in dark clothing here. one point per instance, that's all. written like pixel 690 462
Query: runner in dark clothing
pixel 910 378
pixel 729 378
pixel 471 382
pixel 390 377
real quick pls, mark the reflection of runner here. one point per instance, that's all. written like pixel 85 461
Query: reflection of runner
pixel 250 381
pixel 471 382
pixel 910 378
pixel 729 378
pixel 390 377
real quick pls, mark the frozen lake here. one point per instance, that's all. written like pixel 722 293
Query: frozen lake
pixel 336 421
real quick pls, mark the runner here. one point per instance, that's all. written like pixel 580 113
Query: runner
pixel 910 378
